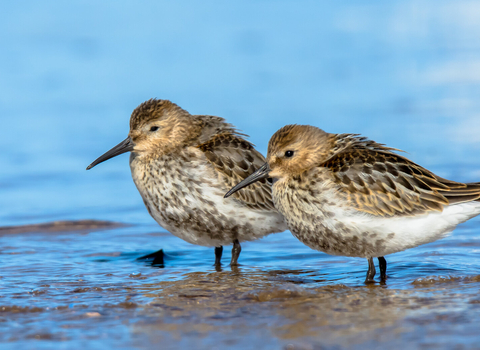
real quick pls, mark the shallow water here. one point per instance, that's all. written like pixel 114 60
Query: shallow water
pixel 405 73
pixel 85 287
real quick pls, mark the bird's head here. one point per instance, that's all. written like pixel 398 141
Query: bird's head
pixel 155 125
pixel 292 150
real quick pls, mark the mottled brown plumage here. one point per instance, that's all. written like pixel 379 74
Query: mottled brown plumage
pixel 235 159
pixel 182 164
pixel 346 195
pixel 377 181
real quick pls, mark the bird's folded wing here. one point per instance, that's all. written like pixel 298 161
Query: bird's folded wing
pixel 382 183
pixel 234 159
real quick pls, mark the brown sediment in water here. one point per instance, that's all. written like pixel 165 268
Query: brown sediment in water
pixel 68 287
pixel 223 302
pixel 61 226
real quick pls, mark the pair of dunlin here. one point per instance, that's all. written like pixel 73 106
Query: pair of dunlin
pixel 338 193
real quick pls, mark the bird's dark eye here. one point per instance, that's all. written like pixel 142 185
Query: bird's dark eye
pixel 154 128
pixel 289 154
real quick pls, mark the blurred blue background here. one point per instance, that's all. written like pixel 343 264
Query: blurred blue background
pixel 405 73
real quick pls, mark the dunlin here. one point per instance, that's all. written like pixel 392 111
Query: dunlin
pixel 182 165
pixel 346 195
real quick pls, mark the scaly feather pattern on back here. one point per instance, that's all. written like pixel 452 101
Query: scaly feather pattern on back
pixel 377 181
pixel 235 159
pixel 209 126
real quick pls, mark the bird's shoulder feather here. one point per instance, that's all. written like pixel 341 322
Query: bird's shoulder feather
pixel 234 159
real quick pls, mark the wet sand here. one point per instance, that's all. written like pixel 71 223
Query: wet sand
pixel 80 284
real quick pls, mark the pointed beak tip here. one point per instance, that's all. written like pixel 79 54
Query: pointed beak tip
pixel 261 173
pixel 124 146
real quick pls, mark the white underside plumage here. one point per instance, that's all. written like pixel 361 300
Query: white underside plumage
pixel 332 226
pixel 198 192
pixel 262 222
pixel 400 233
pixel 414 231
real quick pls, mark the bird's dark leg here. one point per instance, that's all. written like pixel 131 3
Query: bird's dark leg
pixel 218 255
pixel 383 268
pixel 235 252
pixel 370 272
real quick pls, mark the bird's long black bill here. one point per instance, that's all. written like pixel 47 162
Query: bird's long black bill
pixel 261 173
pixel 124 146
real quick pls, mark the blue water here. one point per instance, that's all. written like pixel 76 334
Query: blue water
pixel 405 73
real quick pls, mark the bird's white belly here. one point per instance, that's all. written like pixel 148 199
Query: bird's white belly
pixel 219 217
pixel 401 233
pixel 189 203
pixel 339 230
